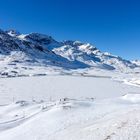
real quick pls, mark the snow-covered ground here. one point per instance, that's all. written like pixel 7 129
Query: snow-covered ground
pixel 67 90
pixel 87 106
pixel 72 119
pixel 61 86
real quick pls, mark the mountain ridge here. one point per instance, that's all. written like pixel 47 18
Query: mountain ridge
pixel 43 50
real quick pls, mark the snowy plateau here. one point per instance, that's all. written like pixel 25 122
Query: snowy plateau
pixel 69 90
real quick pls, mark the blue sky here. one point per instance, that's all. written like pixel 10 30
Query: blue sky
pixel 111 25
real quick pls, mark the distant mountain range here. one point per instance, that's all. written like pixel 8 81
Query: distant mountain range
pixel 42 50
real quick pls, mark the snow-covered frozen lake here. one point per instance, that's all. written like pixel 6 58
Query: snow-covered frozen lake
pixel 56 87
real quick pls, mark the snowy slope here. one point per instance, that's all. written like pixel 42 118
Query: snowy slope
pixel 70 119
pixel 87 53
pixel 137 62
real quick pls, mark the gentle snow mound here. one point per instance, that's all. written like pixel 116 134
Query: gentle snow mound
pixel 134 98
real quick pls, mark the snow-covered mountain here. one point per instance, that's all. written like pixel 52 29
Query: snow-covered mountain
pixel 41 50
pixel 137 62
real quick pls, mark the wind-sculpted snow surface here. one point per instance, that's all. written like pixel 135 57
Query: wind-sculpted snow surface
pixel 68 119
